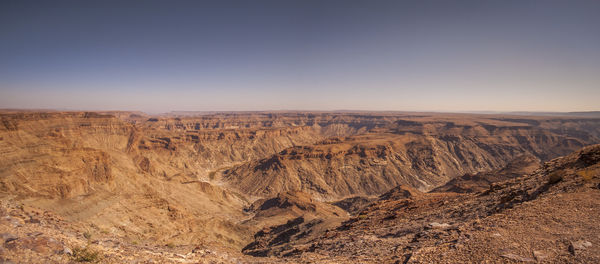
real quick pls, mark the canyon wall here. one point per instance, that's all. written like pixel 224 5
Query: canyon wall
pixel 187 179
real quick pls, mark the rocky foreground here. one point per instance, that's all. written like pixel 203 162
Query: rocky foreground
pixel 549 216
pixel 34 236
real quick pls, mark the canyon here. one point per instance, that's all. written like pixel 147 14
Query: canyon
pixel 295 187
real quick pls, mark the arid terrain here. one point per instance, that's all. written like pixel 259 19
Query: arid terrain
pixel 298 187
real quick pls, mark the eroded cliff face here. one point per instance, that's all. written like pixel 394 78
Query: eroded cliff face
pixel 187 179
pixel 59 155
pixel 421 155
pixel 86 148
pixel 469 183
pixel 130 174
pixel 201 147
pixel 550 215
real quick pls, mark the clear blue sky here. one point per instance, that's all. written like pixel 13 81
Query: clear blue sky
pixel 160 56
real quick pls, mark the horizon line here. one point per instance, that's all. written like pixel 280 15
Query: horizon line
pixel 516 112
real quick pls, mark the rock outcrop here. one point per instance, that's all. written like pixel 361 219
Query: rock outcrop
pixel 481 181
pixel 525 219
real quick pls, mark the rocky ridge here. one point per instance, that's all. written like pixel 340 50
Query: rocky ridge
pixel 550 215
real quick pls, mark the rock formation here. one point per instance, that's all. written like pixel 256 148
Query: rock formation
pixel 287 186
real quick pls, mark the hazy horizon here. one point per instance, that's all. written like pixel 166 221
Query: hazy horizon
pixel 440 56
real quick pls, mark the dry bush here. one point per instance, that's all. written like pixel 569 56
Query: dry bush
pixel 588 173
pixel 85 254
pixel 555 177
